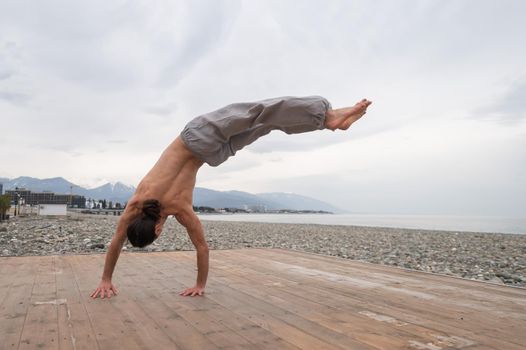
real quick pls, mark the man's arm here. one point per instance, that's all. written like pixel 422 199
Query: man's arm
pixel 188 219
pixel 119 238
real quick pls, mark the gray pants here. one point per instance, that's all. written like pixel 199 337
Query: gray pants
pixel 215 136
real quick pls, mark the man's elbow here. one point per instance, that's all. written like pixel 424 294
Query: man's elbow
pixel 202 248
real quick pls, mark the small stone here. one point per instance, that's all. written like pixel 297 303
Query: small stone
pixel 504 275
pixel 518 278
pixel 86 240
pixel 3 229
pixel 97 246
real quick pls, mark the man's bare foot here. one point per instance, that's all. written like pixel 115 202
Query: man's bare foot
pixel 342 118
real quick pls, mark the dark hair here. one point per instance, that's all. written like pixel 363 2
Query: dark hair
pixel 141 231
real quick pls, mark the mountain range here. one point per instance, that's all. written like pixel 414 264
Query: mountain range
pixel 119 192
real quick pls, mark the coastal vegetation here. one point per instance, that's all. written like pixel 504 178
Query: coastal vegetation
pixel 5 205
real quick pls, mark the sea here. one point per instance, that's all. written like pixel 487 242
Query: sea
pixel 495 224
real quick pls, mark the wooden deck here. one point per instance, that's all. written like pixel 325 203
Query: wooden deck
pixel 255 299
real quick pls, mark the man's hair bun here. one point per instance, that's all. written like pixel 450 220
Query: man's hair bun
pixel 151 209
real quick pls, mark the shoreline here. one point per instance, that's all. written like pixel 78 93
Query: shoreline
pixel 454 223
pixel 431 230
pixel 486 256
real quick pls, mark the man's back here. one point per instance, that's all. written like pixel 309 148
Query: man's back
pixel 172 179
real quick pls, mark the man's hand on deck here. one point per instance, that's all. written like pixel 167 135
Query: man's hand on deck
pixel 105 288
pixel 193 291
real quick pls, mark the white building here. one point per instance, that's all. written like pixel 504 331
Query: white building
pixel 52 209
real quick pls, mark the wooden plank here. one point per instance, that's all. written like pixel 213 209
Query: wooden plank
pixel 110 328
pixel 377 285
pixel 149 306
pixel 16 303
pixel 382 299
pixel 198 331
pixel 41 325
pixel 224 328
pixel 450 296
pixel 182 332
pixel 6 278
pixel 386 335
pixel 296 330
pixel 394 271
pixel 384 304
pixel 75 329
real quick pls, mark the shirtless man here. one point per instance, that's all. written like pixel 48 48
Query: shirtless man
pixel 211 138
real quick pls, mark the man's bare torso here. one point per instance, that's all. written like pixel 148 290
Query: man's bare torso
pixel 171 180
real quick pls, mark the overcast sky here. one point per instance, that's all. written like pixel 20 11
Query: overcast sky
pixel 95 90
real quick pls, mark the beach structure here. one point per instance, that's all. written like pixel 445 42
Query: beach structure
pixel 255 299
pixel 52 209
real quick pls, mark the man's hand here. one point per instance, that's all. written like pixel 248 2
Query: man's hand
pixel 193 291
pixel 105 288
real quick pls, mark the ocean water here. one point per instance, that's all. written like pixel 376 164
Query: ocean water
pixel 499 224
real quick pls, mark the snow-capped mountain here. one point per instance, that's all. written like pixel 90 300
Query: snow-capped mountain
pixel 116 192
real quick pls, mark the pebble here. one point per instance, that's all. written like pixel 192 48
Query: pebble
pixel 492 257
pixel 97 246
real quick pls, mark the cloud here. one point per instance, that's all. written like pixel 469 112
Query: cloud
pixel 161 111
pixel 9 55
pixel 6 73
pixel 14 97
pixel 117 141
pixel 509 108
pixel 205 26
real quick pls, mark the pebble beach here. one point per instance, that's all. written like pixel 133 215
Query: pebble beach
pixel 492 257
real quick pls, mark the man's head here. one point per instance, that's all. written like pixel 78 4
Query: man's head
pixel 147 226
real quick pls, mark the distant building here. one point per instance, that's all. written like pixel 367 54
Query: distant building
pixel 52 209
pixel 255 208
pixel 36 198
pixel 1 189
